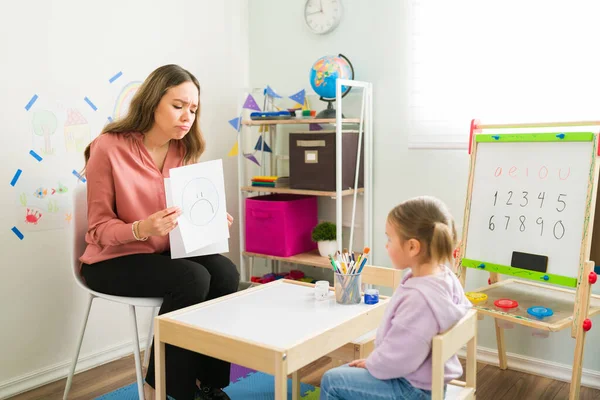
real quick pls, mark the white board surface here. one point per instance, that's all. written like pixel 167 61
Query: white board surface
pixel 279 314
pixel 529 197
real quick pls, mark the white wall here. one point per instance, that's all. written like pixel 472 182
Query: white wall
pixel 63 51
pixel 373 36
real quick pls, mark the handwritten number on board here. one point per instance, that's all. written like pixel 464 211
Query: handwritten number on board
pixel 540 222
pixel 525 198
pixel 541 197
pixel 559 230
pixel 522 227
pixel 561 201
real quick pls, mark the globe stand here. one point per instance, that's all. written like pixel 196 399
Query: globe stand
pixel 329 112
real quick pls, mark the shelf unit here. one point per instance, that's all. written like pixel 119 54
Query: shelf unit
pixel 365 129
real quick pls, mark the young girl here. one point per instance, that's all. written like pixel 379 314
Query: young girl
pixel 421 236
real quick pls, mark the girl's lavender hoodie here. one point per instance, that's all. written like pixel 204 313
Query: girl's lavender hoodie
pixel 420 308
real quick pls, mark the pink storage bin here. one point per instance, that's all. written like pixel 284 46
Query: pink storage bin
pixel 280 224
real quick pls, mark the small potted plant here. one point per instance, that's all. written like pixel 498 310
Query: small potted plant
pixel 325 236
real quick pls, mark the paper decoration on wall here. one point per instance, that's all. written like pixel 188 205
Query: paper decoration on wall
pixel 306 105
pixel 263 128
pixel 44 125
pixel 299 97
pixel 250 103
pixel 235 123
pixel 124 99
pixel 259 145
pixel 315 127
pixel 77 131
pixel 42 205
pixel 234 150
pixel 270 92
pixel 251 157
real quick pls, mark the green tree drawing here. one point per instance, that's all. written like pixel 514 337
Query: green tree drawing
pixel 45 124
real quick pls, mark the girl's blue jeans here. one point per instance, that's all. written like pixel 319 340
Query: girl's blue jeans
pixel 347 383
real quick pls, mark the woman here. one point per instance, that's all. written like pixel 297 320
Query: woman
pixel 128 243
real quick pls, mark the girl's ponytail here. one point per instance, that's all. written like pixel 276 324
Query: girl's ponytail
pixel 442 243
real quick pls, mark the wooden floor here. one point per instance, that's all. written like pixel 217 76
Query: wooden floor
pixel 492 383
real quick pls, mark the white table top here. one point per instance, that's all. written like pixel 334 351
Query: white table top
pixel 277 314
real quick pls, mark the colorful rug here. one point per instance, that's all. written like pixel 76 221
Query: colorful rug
pixel 246 384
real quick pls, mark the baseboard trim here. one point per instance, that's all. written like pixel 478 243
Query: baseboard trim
pixel 536 366
pixel 59 371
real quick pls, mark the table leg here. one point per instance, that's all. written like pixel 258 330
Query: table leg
pixel 159 364
pixel 281 377
pixel 295 386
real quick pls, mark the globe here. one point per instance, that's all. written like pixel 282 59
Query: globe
pixel 323 76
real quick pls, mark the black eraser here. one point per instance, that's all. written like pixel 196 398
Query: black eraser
pixel 532 262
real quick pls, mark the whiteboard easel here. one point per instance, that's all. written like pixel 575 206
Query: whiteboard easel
pixel 572 308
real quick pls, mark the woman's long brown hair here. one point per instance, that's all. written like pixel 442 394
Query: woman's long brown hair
pixel 140 117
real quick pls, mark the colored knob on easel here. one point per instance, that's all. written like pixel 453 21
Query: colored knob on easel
pixel 489 281
pixel 592 278
pixel 587 324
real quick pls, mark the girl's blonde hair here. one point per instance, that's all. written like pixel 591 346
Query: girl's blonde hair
pixel 140 117
pixel 428 220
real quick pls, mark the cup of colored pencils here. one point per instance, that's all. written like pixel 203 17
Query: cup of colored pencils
pixel 347 268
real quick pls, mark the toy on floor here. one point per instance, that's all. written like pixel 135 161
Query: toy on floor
pixel 294 275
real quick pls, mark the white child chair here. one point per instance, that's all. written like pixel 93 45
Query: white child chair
pixel 446 345
pixel 79 229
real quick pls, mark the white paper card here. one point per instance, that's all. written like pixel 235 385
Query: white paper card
pixel 177 247
pixel 199 190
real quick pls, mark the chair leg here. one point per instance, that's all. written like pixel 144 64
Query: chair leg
pixel 150 337
pixel 136 353
pixel 78 347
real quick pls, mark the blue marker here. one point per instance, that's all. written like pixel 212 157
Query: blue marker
pixel 362 265
pixel 495 137
pixel 560 136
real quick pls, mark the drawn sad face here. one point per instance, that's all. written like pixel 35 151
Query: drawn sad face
pixel 200 201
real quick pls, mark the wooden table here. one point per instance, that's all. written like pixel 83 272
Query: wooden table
pixel 276 328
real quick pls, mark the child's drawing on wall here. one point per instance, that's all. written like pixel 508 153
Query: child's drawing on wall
pixel 44 126
pixel 42 206
pixel 77 131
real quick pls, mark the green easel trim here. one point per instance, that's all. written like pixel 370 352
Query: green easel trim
pixel 521 273
pixel 536 137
